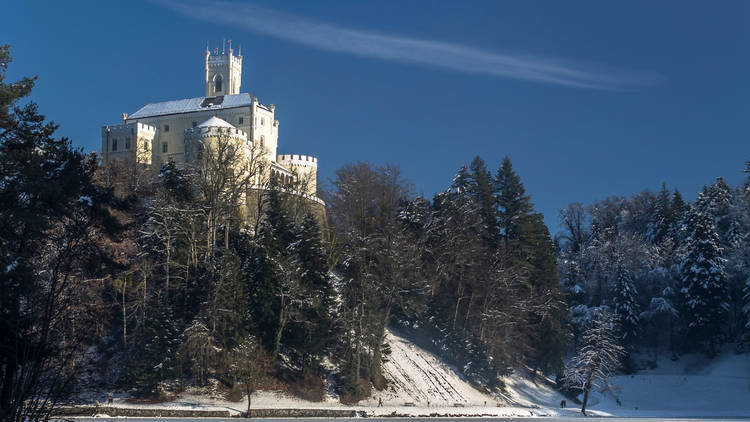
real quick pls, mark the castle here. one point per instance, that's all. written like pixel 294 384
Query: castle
pixel 176 130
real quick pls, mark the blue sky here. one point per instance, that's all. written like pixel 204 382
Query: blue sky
pixel 588 98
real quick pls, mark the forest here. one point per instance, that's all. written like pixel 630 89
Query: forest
pixel 147 281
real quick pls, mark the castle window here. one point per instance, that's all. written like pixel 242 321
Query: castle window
pixel 166 128
pixel 218 83
pixel 242 120
pixel 262 121
pixel 127 142
pixel 164 147
pixel 114 144
pixel 195 124
pixel 262 141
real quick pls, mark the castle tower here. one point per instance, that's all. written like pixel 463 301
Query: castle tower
pixel 223 73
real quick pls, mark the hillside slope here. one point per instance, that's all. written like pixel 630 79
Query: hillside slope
pixel 419 383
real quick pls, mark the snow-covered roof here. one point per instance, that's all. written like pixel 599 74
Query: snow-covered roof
pixel 189 105
pixel 215 122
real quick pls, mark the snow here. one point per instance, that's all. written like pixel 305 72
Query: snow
pixel 416 376
pixel 691 386
pixel 215 122
pixel 189 105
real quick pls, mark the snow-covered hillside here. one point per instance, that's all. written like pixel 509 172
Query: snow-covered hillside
pixel 690 386
pixel 419 383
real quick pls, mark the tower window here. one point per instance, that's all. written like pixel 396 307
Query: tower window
pixel 218 83
pixel 127 142
pixel 114 144
pixel 195 124
pixel 164 147
pixel 262 141
pixel 262 121
pixel 166 128
pixel 242 120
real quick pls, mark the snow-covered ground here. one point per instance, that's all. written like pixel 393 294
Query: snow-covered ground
pixel 690 386
pixel 420 384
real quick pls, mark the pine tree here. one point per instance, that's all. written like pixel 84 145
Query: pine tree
pixel 272 266
pixel 678 209
pixel 720 203
pixel 662 222
pixel 53 221
pixel 462 181
pixel 158 361
pixel 704 284
pixel 484 198
pixel 512 200
pixel 316 334
pixel 626 309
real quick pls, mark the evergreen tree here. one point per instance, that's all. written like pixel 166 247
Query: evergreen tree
pixel 462 181
pixel 264 268
pixel 317 330
pixel 720 203
pixel 662 221
pixel 679 210
pixel 626 308
pixel 704 285
pixel 158 360
pixel 54 219
pixel 512 200
pixel 484 198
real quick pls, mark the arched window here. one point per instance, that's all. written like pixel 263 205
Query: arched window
pixel 217 83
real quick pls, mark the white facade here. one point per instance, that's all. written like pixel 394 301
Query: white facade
pixel 161 128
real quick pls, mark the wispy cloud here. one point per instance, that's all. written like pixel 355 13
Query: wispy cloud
pixel 457 57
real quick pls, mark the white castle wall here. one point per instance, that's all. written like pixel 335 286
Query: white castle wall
pixel 304 166
pixel 134 141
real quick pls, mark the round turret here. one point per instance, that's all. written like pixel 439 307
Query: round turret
pixel 212 130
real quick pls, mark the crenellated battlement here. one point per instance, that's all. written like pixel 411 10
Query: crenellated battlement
pixel 201 132
pixel 138 126
pixel 298 160
pixel 220 59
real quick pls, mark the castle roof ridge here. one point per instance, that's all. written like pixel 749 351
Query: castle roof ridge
pixel 189 105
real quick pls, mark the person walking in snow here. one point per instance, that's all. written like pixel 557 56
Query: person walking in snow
pixel 380 402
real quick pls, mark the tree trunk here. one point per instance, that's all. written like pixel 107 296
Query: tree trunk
pixel 279 332
pixel 377 350
pixel 585 400
pixel 249 392
pixel 124 318
pixel 586 389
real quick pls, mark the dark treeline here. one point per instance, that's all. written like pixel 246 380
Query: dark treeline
pixel 675 274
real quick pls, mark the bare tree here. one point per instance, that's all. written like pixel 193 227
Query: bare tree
pixel 251 366
pixel 598 358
